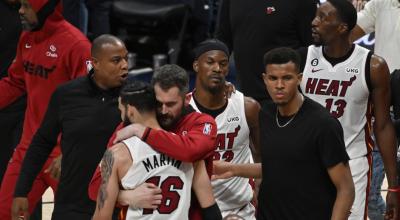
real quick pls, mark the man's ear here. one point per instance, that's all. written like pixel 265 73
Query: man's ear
pixel 343 28
pixel 130 111
pixel 300 78
pixel 188 97
pixel 264 75
pixel 95 62
pixel 196 66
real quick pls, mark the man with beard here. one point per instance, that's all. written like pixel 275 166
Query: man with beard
pixel 85 111
pixel 191 135
pixel 354 85
pixel 237 121
pixel 133 162
pixel 50 52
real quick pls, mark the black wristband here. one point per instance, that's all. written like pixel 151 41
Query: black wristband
pixel 211 213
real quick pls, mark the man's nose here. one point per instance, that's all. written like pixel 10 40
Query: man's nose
pixel 163 109
pixel 279 84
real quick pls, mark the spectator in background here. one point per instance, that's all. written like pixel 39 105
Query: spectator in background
pixel 12 116
pixel 253 28
pixel 92 17
pixel 99 17
pixel 383 18
pixel 71 12
pixel 50 52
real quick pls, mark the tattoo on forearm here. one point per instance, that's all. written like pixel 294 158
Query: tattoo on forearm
pixel 106 169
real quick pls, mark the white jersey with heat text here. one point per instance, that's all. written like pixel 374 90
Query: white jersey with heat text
pixel 174 177
pixel 343 90
pixel 232 145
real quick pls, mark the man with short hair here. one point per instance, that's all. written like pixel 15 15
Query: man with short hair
pixel 84 111
pixel 354 85
pixel 50 52
pixel 304 168
pixel 134 162
pixel 191 137
pixel 237 121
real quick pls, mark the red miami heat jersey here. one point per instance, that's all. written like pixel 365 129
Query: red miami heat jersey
pixel 174 177
pixel 232 145
pixel 343 90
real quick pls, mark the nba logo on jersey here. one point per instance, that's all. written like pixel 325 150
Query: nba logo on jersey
pixel 207 128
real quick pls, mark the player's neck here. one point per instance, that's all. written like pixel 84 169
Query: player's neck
pixel 338 48
pixel 210 100
pixel 148 120
pixel 293 106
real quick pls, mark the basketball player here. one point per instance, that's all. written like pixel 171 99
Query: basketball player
pixel 191 132
pixel 236 118
pixel 353 84
pixel 134 162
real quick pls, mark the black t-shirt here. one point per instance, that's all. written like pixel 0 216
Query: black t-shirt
pixel 295 159
pixel 252 28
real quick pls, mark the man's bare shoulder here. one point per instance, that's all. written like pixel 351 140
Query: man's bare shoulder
pixel 120 152
pixel 379 70
pixel 250 103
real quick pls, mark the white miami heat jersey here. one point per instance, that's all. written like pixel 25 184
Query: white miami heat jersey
pixel 174 177
pixel 232 145
pixel 343 90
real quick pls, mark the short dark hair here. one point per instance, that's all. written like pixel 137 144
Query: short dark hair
pixel 346 11
pixel 101 40
pixel 138 94
pixel 171 75
pixel 282 55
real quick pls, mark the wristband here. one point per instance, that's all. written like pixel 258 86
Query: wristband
pixel 211 213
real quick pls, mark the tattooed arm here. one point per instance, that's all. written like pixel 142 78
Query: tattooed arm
pixel 109 188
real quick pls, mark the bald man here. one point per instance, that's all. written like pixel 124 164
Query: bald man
pixel 86 111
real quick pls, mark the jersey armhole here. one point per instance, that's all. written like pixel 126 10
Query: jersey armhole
pixel 368 71
pixel 130 154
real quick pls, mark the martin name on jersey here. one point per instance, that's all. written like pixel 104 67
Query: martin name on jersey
pixel 174 177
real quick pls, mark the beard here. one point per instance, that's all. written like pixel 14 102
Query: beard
pixel 167 122
pixel 26 26
pixel 317 42
pixel 216 89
